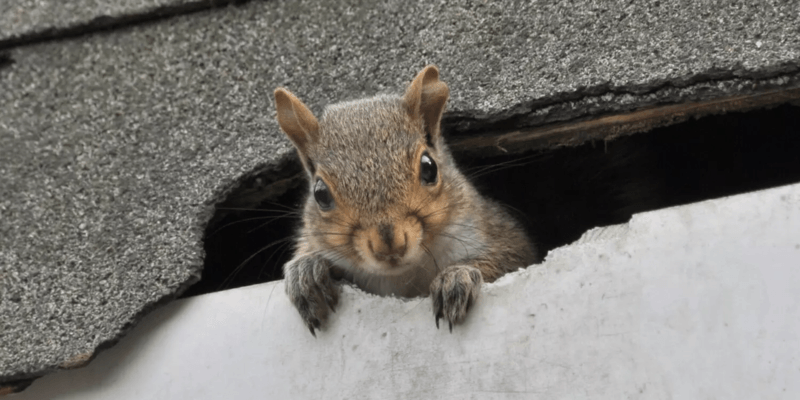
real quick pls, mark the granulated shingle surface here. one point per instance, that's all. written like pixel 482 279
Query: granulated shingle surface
pixel 26 17
pixel 115 146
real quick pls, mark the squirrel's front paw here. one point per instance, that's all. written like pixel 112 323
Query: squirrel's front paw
pixel 453 291
pixel 311 289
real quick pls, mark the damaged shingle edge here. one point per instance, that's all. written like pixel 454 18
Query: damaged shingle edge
pixel 591 102
pixel 206 211
pixel 116 22
pixel 18 382
pixel 574 121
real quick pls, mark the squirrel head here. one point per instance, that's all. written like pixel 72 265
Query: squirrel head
pixel 380 177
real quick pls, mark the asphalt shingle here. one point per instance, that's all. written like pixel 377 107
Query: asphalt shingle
pixel 116 146
pixel 25 17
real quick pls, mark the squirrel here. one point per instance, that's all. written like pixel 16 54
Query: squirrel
pixel 388 209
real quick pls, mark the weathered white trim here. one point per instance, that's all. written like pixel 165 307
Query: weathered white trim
pixel 699 301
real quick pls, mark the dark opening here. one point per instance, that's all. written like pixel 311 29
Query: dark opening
pixel 5 60
pixel 559 194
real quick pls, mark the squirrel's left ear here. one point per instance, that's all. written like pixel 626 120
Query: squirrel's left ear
pixel 425 98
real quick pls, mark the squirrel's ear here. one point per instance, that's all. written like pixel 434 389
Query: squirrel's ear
pixel 298 122
pixel 425 98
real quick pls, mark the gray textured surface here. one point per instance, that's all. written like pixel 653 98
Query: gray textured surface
pixel 25 17
pixel 115 145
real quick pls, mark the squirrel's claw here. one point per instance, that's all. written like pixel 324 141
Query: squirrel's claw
pixel 311 290
pixel 453 293
pixel 437 309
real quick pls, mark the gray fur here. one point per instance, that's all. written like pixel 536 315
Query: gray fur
pixel 354 139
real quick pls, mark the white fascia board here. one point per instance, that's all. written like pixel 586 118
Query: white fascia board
pixel 695 301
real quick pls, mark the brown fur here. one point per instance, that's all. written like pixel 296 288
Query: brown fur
pixel 389 232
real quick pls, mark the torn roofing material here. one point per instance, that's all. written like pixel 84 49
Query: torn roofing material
pixel 115 146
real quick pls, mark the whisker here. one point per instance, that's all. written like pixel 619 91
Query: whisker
pixel 517 162
pixel 267 223
pixel 289 210
pixel 460 240
pixel 320 233
pixel 242 264
pixel 273 203
pixel 516 210
pixel 435 212
pixel 241 221
pixel 283 246
pixel 479 229
pixel 427 250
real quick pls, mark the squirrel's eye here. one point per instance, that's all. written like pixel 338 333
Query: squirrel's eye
pixel 323 195
pixel 427 170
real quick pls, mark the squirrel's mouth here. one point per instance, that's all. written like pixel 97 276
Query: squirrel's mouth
pixel 392 262
pixel 390 266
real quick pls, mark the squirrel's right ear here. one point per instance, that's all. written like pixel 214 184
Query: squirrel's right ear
pixel 298 122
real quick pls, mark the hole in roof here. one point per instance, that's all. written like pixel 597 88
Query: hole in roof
pixel 559 193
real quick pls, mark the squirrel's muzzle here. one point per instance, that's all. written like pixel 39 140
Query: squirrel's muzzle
pixel 388 244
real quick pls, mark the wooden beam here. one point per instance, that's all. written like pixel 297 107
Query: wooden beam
pixel 612 126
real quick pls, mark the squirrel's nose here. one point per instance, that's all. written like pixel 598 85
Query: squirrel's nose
pixel 389 244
